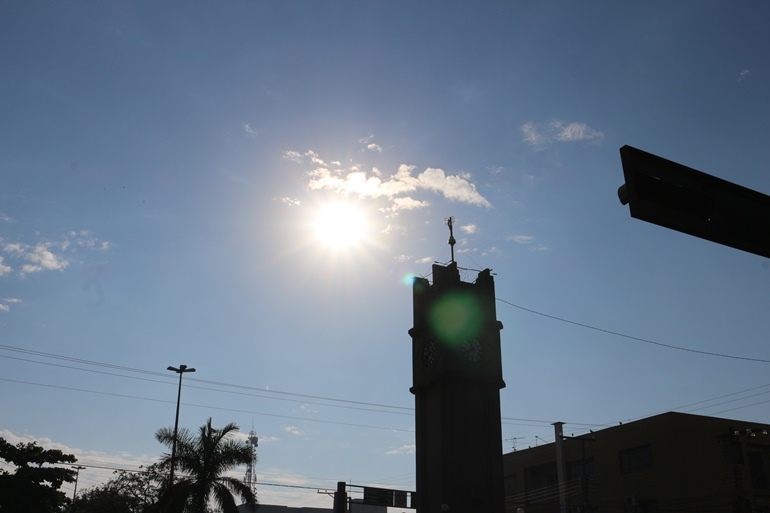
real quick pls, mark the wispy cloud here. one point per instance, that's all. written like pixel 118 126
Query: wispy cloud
pixel 521 239
pixel 528 241
pixel 743 74
pixel 469 228
pixel 250 131
pixel 404 449
pixel 541 135
pixel 6 218
pixel 294 156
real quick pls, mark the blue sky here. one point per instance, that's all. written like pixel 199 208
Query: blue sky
pixel 166 170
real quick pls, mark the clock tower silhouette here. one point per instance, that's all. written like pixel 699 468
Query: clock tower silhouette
pixel 457 377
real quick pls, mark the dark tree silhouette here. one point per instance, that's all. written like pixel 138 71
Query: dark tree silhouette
pixel 127 492
pixel 203 461
pixel 33 487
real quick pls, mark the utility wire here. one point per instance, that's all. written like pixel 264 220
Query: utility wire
pixel 99 392
pixel 212 389
pixel 631 337
pixel 405 410
pixel 166 378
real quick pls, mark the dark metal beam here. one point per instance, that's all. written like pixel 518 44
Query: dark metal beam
pixel 674 196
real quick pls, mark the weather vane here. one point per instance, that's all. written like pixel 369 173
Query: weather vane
pixel 452 240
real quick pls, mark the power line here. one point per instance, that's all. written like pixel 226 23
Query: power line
pixel 631 337
pixel 99 392
pixel 197 380
pixel 211 389
pixel 400 410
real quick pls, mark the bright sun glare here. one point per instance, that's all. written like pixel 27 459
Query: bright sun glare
pixel 340 225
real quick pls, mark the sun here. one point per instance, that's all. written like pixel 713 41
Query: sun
pixel 340 225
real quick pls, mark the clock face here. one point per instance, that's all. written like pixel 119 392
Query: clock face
pixel 429 353
pixel 472 350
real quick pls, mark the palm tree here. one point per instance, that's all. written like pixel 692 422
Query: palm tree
pixel 203 460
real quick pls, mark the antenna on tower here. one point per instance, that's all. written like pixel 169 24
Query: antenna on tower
pixel 449 221
pixel 250 479
pixel 513 440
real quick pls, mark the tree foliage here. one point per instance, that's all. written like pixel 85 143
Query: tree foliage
pixel 203 460
pixel 127 492
pixel 33 487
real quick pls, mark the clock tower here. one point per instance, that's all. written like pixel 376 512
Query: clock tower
pixel 457 377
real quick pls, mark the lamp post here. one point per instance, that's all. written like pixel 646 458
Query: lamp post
pixel 75 491
pixel 181 370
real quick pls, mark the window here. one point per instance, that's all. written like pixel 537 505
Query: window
pixel 636 459
pixel 575 468
pixel 510 485
pixel 540 476
pixel 757 469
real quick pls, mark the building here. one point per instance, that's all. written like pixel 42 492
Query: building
pixel 672 462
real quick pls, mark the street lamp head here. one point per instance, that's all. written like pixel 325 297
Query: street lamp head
pixel 181 369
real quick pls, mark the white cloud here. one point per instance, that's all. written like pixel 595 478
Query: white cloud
pixel 404 449
pixel 6 218
pixel 392 228
pixel 400 259
pixel 453 187
pixel 47 255
pixel 289 201
pixel 424 260
pixel 540 136
pixel 40 258
pixel 4 269
pixel 369 144
pixel 314 158
pixel 469 228
pixel 406 203
pixel 294 430
pixel 743 74
pixel 5 303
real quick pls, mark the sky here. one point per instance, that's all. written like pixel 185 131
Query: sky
pixel 248 189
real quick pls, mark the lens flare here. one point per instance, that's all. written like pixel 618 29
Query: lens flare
pixel 456 317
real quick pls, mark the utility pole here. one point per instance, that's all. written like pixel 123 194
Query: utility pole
pixel 181 370
pixel 584 485
pixel 75 491
pixel 558 429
